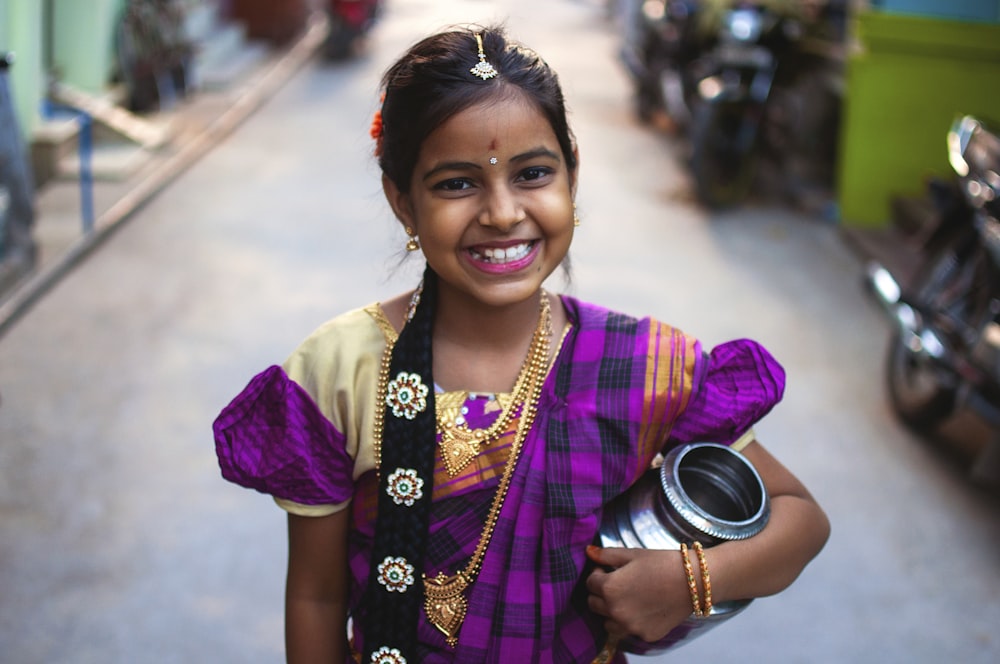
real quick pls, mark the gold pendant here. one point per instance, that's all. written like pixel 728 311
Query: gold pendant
pixel 445 605
pixel 457 453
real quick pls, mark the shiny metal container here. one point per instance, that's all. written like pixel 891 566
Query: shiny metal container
pixel 704 492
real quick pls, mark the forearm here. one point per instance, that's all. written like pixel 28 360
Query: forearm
pixel 315 631
pixel 316 589
pixel 770 561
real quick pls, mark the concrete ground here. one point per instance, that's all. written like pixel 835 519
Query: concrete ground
pixel 119 542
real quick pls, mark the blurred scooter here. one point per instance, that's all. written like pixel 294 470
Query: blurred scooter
pixel 740 113
pixel 349 21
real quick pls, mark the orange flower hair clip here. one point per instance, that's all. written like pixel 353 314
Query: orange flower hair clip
pixel 377 130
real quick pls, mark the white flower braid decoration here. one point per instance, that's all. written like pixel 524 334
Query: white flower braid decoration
pixel 395 574
pixel 405 487
pixel 386 655
pixel 406 395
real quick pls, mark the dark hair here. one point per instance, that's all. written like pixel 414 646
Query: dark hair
pixel 389 619
pixel 432 82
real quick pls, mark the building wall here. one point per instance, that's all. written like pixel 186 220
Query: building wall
pixel 908 77
pixel 83 42
pixel 20 32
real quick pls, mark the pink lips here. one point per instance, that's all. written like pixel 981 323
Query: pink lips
pixel 505 267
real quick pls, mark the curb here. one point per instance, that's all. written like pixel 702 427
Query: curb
pixel 261 87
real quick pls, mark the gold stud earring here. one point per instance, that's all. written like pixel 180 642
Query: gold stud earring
pixel 413 244
pixel 576 218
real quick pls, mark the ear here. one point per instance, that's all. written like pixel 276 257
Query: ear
pixel 400 203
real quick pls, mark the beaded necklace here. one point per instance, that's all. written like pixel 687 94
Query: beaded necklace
pixel 444 596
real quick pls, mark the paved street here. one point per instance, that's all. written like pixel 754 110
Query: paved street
pixel 120 543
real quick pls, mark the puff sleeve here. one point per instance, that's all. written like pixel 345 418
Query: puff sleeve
pixel 273 438
pixel 737 384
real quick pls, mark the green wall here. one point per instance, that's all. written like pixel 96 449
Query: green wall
pixel 82 49
pixel 907 80
pixel 83 42
pixel 20 27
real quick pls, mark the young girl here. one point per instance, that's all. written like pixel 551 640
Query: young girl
pixel 444 455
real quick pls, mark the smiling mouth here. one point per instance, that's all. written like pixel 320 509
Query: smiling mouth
pixel 501 256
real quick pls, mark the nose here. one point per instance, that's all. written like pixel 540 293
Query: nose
pixel 502 211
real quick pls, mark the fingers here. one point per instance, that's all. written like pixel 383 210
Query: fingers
pixel 608 561
pixel 632 591
pixel 599 606
pixel 595 582
pixel 611 557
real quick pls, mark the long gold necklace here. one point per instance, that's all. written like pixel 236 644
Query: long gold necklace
pixel 444 596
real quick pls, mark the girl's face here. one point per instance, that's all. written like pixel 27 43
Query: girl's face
pixel 491 200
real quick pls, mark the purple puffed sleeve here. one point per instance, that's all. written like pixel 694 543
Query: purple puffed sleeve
pixel 273 438
pixel 736 385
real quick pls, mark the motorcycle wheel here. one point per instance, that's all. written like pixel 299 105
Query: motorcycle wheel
pixel 723 160
pixel 922 393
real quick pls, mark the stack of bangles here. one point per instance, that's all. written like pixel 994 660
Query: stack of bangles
pixel 699 608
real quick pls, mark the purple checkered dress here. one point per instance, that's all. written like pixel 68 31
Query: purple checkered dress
pixel 620 390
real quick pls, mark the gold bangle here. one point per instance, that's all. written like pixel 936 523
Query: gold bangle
pixel 706 580
pixel 692 586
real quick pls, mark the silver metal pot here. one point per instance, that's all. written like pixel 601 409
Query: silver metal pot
pixel 704 492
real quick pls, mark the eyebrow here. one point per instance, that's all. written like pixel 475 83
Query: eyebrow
pixel 464 165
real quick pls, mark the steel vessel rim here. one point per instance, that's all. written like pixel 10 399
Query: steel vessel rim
pixel 694 514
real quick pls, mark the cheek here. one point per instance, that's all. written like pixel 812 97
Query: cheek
pixel 561 220
pixel 560 227
pixel 443 225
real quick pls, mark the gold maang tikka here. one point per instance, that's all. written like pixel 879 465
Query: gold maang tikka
pixel 483 69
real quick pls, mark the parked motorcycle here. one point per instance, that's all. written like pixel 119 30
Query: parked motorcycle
pixel 727 72
pixel 660 45
pixel 349 21
pixel 945 350
pixel 738 116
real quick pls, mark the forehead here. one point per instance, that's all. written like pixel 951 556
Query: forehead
pixel 502 126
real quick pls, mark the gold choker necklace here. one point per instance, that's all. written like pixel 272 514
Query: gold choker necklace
pixel 460 444
pixel 444 598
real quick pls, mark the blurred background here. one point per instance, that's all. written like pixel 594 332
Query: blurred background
pixel 187 189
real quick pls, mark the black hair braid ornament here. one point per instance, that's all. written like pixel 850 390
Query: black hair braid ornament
pixel 405 448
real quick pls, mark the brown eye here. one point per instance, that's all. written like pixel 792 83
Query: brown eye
pixel 453 184
pixel 535 173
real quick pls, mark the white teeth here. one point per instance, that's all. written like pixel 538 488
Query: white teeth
pixel 514 253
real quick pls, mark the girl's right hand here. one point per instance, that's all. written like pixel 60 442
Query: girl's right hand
pixel 644 595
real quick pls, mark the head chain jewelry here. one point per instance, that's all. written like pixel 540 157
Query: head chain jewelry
pixel 483 69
